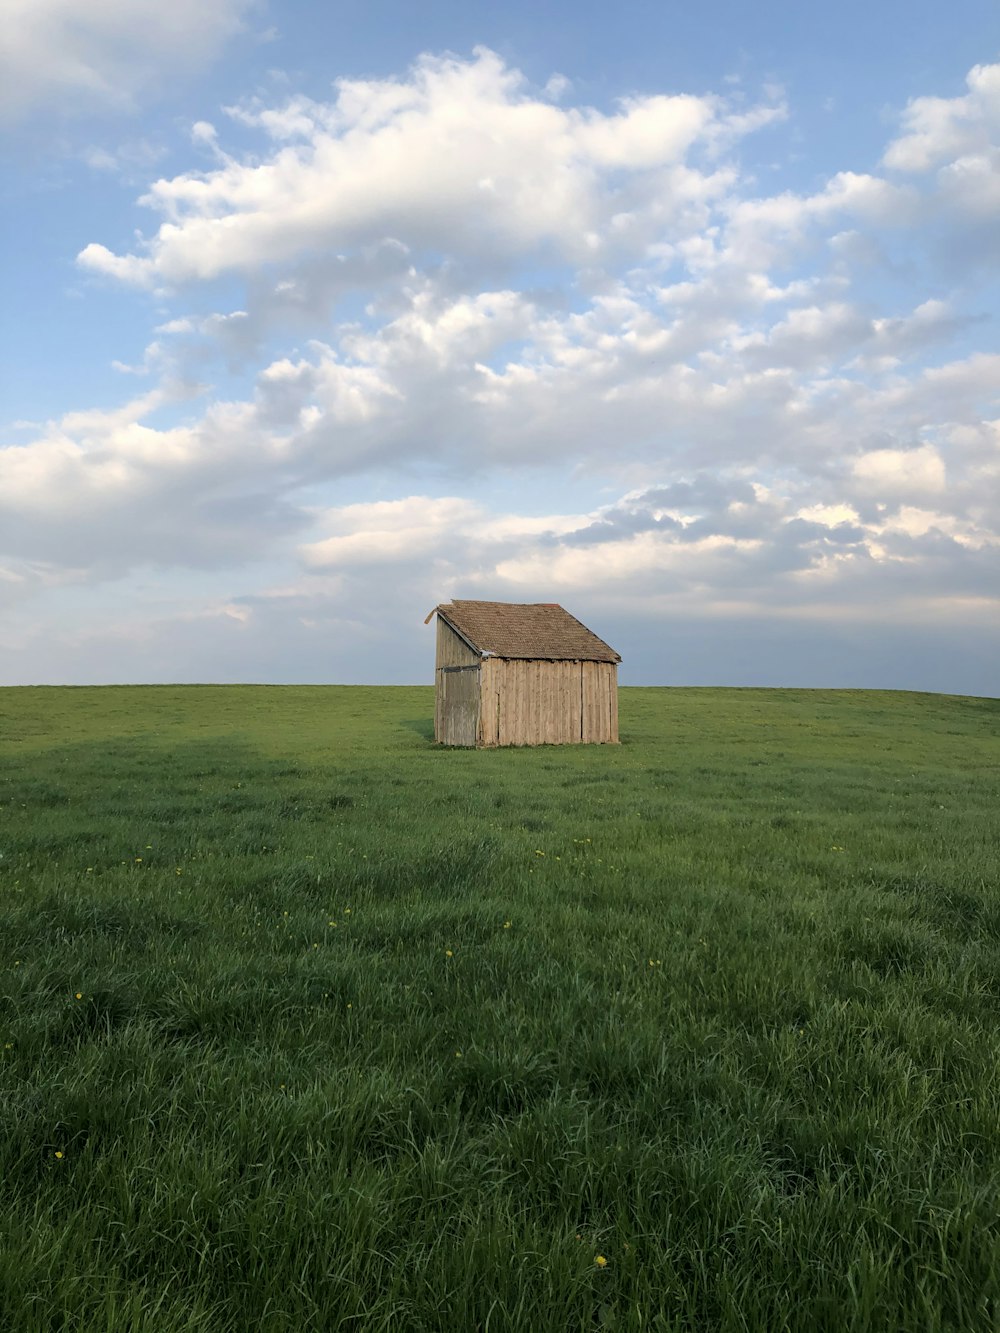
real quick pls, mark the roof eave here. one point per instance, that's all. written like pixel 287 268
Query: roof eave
pixel 546 657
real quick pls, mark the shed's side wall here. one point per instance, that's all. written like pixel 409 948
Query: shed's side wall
pixel 456 693
pixel 613 671
pixel 547 703
pixel 599 689
pixel 491 684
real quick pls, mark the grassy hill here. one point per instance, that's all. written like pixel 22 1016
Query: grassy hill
pixel 307 1024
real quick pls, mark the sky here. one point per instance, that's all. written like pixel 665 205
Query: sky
pixel 318 315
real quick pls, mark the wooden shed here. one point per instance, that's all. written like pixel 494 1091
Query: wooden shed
pixel 511 673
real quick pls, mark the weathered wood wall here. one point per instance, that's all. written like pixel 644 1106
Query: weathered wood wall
pixel 599 689
pixel 548 703
pixel 452 650
pixel 456 694
pixel 456 720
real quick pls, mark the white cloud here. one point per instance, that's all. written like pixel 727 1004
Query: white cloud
pixel 704 546
pixel 546 300
pixel 61 54
pixel 958 140
pixel 390 532
pixel 764 231
pixel 901 472
pixel 941 130
pixel 459 158
pixel 401 532
pixel 125 268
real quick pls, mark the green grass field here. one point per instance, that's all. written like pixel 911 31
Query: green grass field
pixel 307 1024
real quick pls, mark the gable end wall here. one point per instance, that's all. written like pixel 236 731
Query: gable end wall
pixel 456 689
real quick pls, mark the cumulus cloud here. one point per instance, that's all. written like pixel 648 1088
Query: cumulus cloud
pixel 102 492
pixel 954 144
pixel 105 53
pixel 461 158
pixel 939 131
pixel 452 285
pixel 489 383
pixel 698 546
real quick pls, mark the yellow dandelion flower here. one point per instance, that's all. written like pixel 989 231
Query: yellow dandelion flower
pixel 448 953
pixel 79 995
pixel 350 1006
pixel 458 1055
pixel 506 925
pixel 59 1155
pixel 347 911
pixel 138 860
pixel 600 1261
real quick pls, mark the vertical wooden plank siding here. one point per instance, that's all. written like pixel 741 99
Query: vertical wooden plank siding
pixel 521 702
pixel 563 716
pixel 456 693
pixel 588 692
pixel 519 721
pixel 554 711
pixel 553 725
pixel 512 704
pixel 600 702
pixel 458 690
pixel 603 726
pixel 535 683
pixel 527 703
pixel 490 679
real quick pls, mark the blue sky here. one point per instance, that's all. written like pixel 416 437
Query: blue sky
pixel 684 316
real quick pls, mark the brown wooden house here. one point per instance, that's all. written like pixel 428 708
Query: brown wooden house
pixel 511 673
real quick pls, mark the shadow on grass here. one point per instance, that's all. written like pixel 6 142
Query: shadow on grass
pixel 423 726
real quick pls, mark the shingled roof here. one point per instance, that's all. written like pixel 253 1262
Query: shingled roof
pixel 538 630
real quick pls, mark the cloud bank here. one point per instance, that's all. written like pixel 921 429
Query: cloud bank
pixel 493 343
